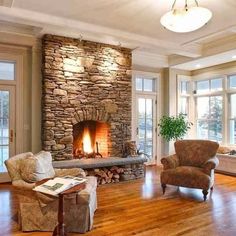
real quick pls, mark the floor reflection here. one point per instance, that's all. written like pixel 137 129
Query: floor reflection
pixel 148 186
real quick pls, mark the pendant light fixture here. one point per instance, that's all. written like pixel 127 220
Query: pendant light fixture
pixel 186 19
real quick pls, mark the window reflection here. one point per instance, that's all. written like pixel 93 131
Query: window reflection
pixel 4 128
pixel 7 70
pixel 145 125
pixel 232 81
pixel 209 123
pixel 145 85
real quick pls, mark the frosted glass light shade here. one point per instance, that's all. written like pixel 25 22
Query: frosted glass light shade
pixel 186 19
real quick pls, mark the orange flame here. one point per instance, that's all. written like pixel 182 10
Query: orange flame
pixel 87 141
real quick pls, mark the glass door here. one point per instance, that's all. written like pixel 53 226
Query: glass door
pixel 7 127
pixel 146 126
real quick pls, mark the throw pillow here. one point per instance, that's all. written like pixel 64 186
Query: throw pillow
pixel 37 167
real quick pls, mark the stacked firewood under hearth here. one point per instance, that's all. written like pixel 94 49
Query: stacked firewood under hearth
pixel 105 175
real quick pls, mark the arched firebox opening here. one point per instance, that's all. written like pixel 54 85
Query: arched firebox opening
pixel 90 139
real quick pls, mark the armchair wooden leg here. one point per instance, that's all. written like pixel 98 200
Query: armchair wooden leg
pixel 163 188
pixel 205 192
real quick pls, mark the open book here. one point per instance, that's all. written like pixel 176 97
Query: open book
pixel 59 184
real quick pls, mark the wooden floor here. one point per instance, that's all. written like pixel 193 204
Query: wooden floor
pixel 139 208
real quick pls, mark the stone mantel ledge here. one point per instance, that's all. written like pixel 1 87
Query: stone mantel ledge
pixel 99 162
pixel 227 164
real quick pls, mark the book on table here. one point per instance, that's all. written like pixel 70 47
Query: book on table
pixel 59 184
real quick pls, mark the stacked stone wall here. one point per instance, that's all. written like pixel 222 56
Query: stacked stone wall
pixel 84 80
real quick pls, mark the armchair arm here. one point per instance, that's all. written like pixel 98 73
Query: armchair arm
pixel 73 172
pixel 22 185
pixel 170 162
pixel 210 164
pixel 26 193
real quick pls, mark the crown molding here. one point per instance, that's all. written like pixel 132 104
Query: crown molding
pixel 73 28
pixel 220 45
pixel 6 3
pixel 20 29
pixel 212 50
pixel 147 59
pixel 18 39
pixel 174 60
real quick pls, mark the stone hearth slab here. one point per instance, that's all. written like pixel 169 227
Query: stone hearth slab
pixel 98 162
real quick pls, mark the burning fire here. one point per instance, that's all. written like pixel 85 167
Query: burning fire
pixel 87 145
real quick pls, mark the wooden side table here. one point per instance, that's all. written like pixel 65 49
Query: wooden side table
pixel 60 229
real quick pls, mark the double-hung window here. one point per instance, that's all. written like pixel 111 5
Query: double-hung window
pixel 209 109
pixel 211 105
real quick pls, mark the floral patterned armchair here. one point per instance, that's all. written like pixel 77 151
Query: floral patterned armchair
pixel 37 211
pixel 192 166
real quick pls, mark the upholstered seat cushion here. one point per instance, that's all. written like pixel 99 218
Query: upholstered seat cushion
pixel 37 167
pixel 187 176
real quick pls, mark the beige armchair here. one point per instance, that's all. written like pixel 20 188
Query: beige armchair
pixel 37 211
pixel 192 166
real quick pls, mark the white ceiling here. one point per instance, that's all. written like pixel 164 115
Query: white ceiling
pixel 133 23
pixel 135 16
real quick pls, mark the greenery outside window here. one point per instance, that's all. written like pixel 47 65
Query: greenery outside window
pixel 209 117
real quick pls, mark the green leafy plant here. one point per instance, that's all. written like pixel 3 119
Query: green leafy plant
pixel 173 128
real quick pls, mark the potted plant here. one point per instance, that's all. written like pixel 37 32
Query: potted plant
pixel 174 128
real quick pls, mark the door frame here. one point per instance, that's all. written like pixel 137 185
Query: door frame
pixel 18 84
pixel 154 129
pixel 157 77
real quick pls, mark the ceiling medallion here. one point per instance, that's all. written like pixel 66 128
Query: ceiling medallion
pixel 186 19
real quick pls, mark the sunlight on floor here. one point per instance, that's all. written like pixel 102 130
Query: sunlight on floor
pixel 148 187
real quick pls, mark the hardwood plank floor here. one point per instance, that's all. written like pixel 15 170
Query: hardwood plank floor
pixel 139 208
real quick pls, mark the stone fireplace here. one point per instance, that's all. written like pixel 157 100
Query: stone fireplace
pixel 86 96
pixel 91 139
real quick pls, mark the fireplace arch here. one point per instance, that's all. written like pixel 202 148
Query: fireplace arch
pixel 91 114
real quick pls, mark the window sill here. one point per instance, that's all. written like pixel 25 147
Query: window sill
pixel 227 164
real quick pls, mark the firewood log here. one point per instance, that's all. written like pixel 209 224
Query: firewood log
pixel 110 174
pixel 116 176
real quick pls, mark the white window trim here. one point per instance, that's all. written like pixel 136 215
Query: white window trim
pixel 191 114
pixel 158 88
pixel 224 93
